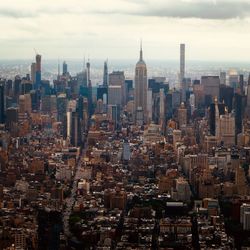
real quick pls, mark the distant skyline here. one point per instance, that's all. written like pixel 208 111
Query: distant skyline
pixel 213 30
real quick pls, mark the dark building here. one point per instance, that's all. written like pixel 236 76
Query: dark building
pixel 26 87
pixel 61 107
pixel 49 229
pixel 241 84
pixel 226 96
pixel 169 108
pixel 238 108
pixel 65 68
pixel 196 82
pixel 38 72
pixel 2 104
pixel 212 118
pixel 105 74
pixel 11 117
pixel 101 90
pixel 157 85
pixel 129 89
pixel 17 88
pixel 35 99
pixel 8 88
pixel 45 88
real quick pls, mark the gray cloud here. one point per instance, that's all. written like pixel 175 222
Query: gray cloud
pixel 220 9
pixel 15 13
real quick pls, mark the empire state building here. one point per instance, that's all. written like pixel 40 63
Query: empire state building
pixel 140 91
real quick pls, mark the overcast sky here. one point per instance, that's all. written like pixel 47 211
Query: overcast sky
pixel 216 30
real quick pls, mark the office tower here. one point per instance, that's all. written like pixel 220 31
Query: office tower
pixel 240 181
pixel 75 131
pixel 45 104
pixel 17 88
pixel 176 99
pixel 65 68
pixel 238 108
pixel 149 105
pixel 8 87
pixel 117 78
pixel 192 103
pixel 33 72
pixel 25 104
pixel 226 132
pixel 114 95
pixel 26 87
pixel 80 106
pixel 241 84
pixel 2 103
pixel 215 110
pixel 101 91
pixel 182 115
pixel 105 74
pixel 162 108
pixel 169 108
pixel 126 153
pixel 99 107
pixel 140 91
pixel 199 95
pixel 11 117
pixel 211 86
pixel 248 97
pixel 233 79
pixel 223 78
pixel 61 113
pixel 73 128
pixel 129 90
pixel 226 96
pixel 38 71
pixel 114 112
pixel 35 100
pixel 182 72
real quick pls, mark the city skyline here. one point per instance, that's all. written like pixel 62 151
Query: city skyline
pixel 113 30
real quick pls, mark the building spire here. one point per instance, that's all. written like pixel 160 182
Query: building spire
pixel 141 56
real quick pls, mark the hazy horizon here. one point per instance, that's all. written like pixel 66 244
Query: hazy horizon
pixel 213 30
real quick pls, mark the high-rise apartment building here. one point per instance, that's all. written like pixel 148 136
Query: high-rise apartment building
pixel 38 71
pixel 105 74
pixel 182 72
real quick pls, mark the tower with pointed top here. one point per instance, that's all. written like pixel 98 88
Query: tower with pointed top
pixel 141 90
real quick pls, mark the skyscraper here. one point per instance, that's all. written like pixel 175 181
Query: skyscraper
pixel 117 78
pixel 105 74
pixel 65 68
pixel 33 72
pixel 38 71
pixel 182 72
pixel 2 109
pixel 248 97
pixel 141 90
